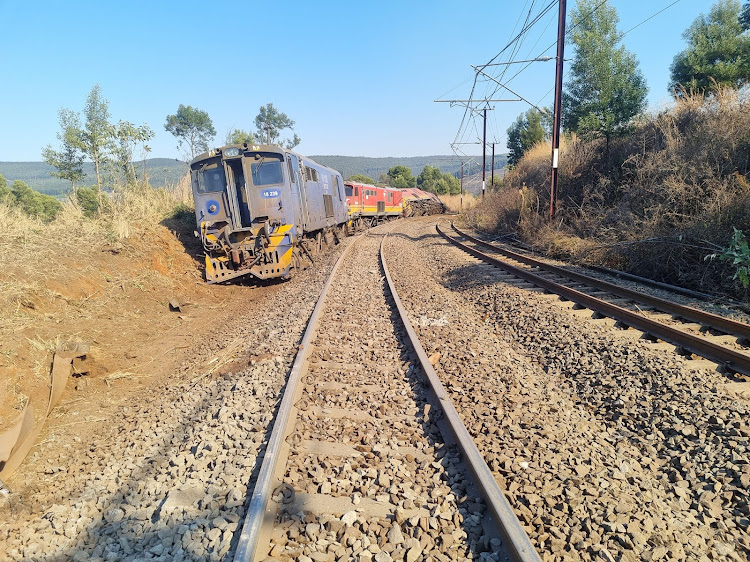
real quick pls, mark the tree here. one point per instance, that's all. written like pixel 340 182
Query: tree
pixel 745 16
pixel 361 178
pixel 69 159
pixel 401 177
pixel 606 89
pixel 433 180
pixel 270 122
pixel 127 137
pixel 96 136
pixel 191 127
pixel 239 136
pixel 526 131
pixel 718 52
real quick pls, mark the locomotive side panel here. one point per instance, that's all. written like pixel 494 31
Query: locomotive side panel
pixel 325 197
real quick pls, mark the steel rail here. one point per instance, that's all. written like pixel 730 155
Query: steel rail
pixel 515 539
pixel 729 358
pixel 653 283
pixel 726 325
pixel 252 524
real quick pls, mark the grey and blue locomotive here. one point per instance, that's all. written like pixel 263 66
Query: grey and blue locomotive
pixel 262 209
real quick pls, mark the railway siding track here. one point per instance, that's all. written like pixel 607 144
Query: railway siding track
pixel 609 450
pixel 716 338
pixel 364 471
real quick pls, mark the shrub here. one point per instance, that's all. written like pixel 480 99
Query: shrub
pixel 32 202
pixel 88 200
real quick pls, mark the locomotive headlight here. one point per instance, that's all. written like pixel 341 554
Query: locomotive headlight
pixel 232 151
pixel 212 209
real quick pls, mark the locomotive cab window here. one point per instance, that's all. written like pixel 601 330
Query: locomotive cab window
pixel 349 191
pixel 210 178
pixel 267 169
pixel 311 174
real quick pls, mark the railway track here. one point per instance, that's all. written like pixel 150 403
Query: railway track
pixel 715 338
pixel 368 458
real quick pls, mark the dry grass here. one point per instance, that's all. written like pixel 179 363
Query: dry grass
pixel 454 204
pixel 655 202
pixel 30 248
pixel 140 207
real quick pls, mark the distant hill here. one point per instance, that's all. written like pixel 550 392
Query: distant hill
pixel 374 167
pixel 167 171
pixel 161 171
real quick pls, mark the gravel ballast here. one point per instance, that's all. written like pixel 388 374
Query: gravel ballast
pixel 169 479
pixel 607 447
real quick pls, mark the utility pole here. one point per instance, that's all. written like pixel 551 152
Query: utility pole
pixel 557 110
pixel 461 205
pixel 484 152
pixel 492 180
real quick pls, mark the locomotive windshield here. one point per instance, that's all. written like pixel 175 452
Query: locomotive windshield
pixel 349 190
pixel 211 178
pixel 266 169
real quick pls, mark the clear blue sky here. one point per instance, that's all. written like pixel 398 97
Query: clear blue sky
pixel 359 78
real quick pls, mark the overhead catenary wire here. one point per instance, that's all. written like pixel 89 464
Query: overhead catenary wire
pixel 515 43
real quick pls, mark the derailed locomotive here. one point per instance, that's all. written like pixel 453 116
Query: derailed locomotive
pixel 262 210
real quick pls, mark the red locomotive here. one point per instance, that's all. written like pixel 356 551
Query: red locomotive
pixel 370 204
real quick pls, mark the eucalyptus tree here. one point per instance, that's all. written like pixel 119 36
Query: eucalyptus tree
pixel 97 133
pixel 270 122
pixel 127 137
pixel 69 159
pixel 192 127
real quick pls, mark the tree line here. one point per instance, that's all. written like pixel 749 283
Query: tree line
pixel 111 147
pixel 430 179
pixel 605 89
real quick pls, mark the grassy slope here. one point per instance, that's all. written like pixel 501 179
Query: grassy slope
pixel 657 203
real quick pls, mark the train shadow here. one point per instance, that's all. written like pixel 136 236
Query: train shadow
pixel 182 224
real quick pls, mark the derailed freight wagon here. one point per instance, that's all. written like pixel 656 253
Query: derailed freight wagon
pixel 262 210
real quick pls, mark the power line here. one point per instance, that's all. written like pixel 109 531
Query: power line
pixel 619 38
pixel 515 43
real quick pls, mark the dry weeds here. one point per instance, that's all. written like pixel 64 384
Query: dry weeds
pixel 656 203
pixel 455 204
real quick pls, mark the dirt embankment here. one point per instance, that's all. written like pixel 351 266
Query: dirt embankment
pixel 73 283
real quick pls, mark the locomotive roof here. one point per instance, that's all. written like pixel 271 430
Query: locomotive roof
pixel 350 182
pixel 243 147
